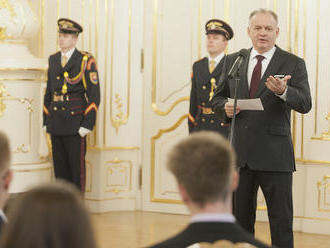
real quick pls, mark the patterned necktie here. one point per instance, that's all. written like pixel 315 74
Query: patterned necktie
pixel 212 63
pixel 256 75
pixel 64 60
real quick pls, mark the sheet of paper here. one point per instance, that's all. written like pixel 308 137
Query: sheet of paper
pixel 248 104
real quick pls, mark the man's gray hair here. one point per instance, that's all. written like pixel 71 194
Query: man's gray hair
pixel 263 11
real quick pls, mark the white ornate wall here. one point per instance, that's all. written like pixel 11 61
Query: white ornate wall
pixel 145 50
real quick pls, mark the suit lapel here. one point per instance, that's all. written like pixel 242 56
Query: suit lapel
pixel 244 87
pixel 57 61
pixel 72 60
pixel 216 71
pixel 205 69
pixel 273 67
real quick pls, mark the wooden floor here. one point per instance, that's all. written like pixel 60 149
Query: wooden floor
pixel 140 229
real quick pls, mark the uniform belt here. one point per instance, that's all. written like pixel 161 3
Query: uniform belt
pixel 62 98
pixel 207 111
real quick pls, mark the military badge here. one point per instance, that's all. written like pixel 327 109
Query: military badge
pixel 93 77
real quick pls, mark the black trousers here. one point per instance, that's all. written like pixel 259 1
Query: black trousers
pixel 69 158
pixel 277 189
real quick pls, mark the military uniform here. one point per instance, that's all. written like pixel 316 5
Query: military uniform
pixel 201 115
pixel 70 103
pixel 204 82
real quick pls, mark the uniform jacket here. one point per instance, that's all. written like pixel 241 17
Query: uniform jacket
pixel 200 98
pixel 79 105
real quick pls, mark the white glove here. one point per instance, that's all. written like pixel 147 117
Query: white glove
pixel 83 132
pixel 44 128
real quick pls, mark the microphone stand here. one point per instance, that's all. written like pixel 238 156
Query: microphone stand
pixel 232 130
pixel 232 127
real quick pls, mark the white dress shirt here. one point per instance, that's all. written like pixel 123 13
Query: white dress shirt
pixel 264 64
pixel 213 217
pixel 3 216
pixel 217 59
pixel 68 54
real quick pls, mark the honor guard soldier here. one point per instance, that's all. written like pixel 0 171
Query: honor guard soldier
pixel 205 77
pixel 70 104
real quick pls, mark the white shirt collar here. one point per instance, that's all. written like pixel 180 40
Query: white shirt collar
pixel 217 59
pixel 268 55
pixel 3 216
pixel 69 53
pixel 213 217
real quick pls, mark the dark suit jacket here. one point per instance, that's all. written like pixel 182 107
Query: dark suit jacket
pixel 210 232
pixel 83 94
pixel 199 98
pixel 262 139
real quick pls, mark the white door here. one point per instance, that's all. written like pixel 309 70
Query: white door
pixel 171 44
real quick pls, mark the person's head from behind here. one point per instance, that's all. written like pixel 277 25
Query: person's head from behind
pixel 52 216
pixel 5 172
pixel 204 167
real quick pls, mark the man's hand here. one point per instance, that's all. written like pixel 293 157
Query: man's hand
pixel 83 132
pixel 277 85
pixel 229 109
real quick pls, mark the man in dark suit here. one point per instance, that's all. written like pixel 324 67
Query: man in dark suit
pixel 204 167
pixel 70 104
pixel 6 176
pixel 206 73
pixel 262 139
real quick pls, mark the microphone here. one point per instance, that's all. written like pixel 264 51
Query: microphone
pixel 235 67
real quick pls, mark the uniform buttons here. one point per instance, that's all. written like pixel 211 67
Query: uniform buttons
pixel 212 121
pixel 204 87
pixel 72 113
pixel 222 124
pixel 213 112
pixel 203 120
pixel 58 78
pixel 203 103
pixel 55 108
pixel 63 108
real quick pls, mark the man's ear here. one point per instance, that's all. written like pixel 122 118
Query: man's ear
pixel 8 178
pixel 183 193
pixel 234 180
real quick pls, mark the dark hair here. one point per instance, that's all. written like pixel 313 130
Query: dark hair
pixel 49 216
pixel 203 164
pixel 4 152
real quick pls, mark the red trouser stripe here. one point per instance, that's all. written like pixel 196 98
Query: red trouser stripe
pixel 82 165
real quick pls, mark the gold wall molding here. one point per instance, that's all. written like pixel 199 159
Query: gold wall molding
pixel 166 112
pixel 154 105
pixel 32 170
pixel 105 77
pixel 153 164
pixel 124 167
pixel 325 136
pixel 317 65
pixel 31 163
pixel 311 161
pixel 109 199
pixel 113 148
pixel 323 188
pixel 35 80
pixel 120 118
pixel 5 96
pixel 89 174
pixel 20 69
